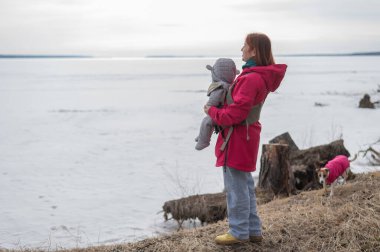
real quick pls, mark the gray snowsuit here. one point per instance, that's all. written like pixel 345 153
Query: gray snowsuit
pixel 223 74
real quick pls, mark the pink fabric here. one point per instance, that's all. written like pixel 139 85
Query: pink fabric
pixel 251 88
pixel 337 167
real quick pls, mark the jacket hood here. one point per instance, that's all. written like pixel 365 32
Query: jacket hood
pixel 272 74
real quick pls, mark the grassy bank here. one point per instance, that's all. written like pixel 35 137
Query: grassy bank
pixel 350 221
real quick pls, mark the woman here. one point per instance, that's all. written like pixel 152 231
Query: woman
pixel 238 143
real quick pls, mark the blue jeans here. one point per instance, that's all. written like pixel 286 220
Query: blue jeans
pixel 241 204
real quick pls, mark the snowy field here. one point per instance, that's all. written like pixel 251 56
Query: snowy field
pixel 90 149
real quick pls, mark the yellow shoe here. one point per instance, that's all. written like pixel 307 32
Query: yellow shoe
pixel 227 239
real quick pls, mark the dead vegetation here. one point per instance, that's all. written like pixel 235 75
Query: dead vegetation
pixel 371 153
pixel 350 221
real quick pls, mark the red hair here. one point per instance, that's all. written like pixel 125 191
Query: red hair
pixel 263 49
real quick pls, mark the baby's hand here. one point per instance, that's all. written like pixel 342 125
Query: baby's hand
pixel 206 108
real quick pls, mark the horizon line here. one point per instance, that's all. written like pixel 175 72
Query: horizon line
pixel 49 56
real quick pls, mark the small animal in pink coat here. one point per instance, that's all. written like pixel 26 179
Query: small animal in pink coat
pixel 328 175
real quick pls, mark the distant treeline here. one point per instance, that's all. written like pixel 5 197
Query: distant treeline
pixel 332 54
pixel 29 56
pixel 287 55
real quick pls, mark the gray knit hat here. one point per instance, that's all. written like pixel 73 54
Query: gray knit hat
pixel 223 70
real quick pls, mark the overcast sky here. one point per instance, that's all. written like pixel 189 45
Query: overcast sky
pixel 196 27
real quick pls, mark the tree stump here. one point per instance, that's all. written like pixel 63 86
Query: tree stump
pixel 365 102
pixel 275 172
pixel 285 138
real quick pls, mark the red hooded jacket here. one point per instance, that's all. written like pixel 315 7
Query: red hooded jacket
pixel 336 167
pixel 251 88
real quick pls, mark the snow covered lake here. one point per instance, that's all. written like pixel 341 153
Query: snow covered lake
pixel 90 149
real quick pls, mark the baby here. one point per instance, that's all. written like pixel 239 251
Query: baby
pixel 223 74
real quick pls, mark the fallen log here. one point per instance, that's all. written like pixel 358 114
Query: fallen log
pixel 208 208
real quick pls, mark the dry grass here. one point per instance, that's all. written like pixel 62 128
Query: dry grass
pixel 350 221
